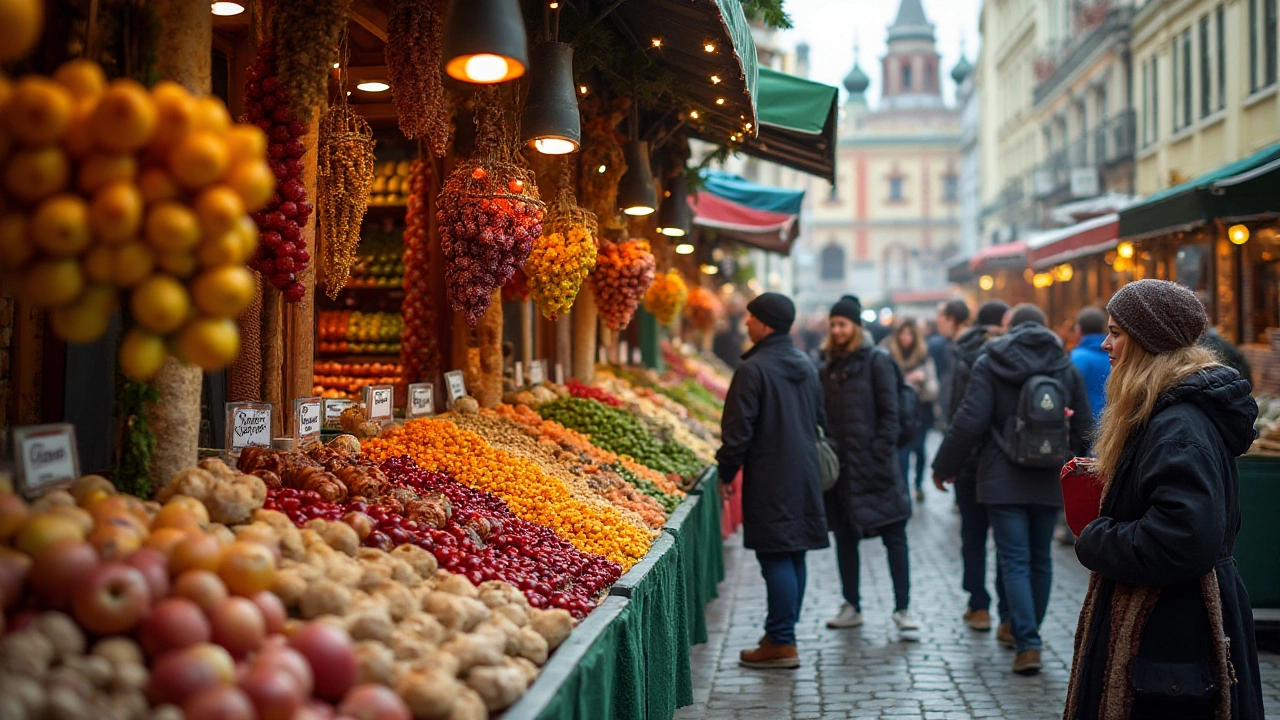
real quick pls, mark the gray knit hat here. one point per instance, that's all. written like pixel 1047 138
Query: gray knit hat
pixel 1160 315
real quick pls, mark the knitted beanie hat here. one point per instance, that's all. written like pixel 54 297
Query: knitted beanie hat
pixel 1160 315
pixel 775 310
pixel 849 307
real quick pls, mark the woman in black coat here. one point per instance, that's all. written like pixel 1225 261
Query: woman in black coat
pixel 860 385
pixel 1166 630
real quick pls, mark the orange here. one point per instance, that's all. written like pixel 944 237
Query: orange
pixel 198 159
pixel 160 304
pixel 53 283
pixel 223 292
pixel 219 209
pixel 101 169
pixel 116 213
pixel 41 531
pixel 97 264
pixel 181 265
pixel 225 249
pixel 86 319
pixel 171 227
pixel 141 355
pixel 125 118
pixel 77 140
pixel 60 226
pixel 165 539
pixel 38 111
pixel 132 263
pixel 246 142
pixel 197 551
pixel 157 186
pixel 254 182
pixel 36 174
pixel 175 112
pixel 211 116
pixel 15 249
pixel 84 78
pixel 247 568
pixel 208 343
pixel 20 25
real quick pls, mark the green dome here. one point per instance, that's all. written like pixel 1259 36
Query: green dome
pixel 856 82
pixel 962 70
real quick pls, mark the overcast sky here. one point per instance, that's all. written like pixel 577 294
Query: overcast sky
pixel 829 26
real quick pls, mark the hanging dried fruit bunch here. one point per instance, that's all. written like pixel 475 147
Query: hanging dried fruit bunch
pixel 282 253
pixel 517 288
pixel 415 34
pixel 665 297
pixel 306 36
pixel 563 255
pixel 603 163
pixel 624 272
pixel 344 176
pixel 704 309
pixel 419 346
pixel 489 215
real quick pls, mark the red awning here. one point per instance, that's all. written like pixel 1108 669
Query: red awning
pixel 1090 237
pixel 1007 256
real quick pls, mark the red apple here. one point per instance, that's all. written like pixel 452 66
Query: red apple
pixel 59 568
pixel 14 569
pixel 154 566
pixel 112 599
pixel 273 611
pixel 202 587
pixel 13 512
pixel 175 623
pixel 374 702
pixel 238 626
pixel 277 655
pixel 275 694
pixel 315 710
pixel 179 675
pixel 219 702
pixel 332 657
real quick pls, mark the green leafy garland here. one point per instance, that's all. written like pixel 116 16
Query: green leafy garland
pixel 769 12
pixel 138 443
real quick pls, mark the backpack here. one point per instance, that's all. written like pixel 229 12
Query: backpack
pixel 1039 433
pixel 908 407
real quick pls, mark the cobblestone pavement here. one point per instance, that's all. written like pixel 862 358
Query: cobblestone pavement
pixel 950 673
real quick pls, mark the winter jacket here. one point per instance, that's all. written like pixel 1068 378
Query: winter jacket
pixel 940 350
pixel 1228 353
pixel 990 403
pixel 1170 517
pixel 1094 365
pixel 861 390
pixel 769 431
pixel 964 353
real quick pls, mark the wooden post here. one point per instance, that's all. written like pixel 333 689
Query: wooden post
pixel 585 315
pixel 564 339
pixel 489 335
pixel 182 55
pixel 526 333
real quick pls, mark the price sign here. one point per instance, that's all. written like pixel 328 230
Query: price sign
pixel 636 356
pixel 248 425
pixel 519 374
pixel 602 355
pixel 422 400
pixel 333 408
pixel 379 401
pixel 537 372
pixel 46 458
pixel 455 386
pixel 559 373
pixel 308 418
pixel 622 353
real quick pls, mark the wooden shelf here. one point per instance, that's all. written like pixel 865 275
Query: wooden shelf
pixel 357 357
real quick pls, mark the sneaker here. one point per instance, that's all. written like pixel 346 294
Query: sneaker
pixel 1005 634
pixel 849 617
pixel 1027 662
pixel 904 620
pixel 979 620
pixel 769 656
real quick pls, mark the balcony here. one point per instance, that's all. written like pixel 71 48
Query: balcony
pixel 1114 142
pixel 1075 166
pixel 1096 26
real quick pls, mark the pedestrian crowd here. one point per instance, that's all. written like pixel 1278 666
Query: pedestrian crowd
pixel 1150 407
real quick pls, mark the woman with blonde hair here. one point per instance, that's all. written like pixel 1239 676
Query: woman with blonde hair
pixel 1166 630
pixel 911 353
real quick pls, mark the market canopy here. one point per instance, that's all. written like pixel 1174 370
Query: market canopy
pixel 1090 237
pixel 1242 190
pixel 762 216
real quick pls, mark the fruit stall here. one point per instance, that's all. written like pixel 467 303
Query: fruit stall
pixel 350 354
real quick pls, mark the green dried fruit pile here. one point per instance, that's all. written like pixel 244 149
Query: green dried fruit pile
pixel 618 431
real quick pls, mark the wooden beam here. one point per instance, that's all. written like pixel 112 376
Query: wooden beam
pixel 370 17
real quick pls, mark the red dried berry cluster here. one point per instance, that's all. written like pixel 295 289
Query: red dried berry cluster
pixel 282 252
pixel 578 390
pixel 419 346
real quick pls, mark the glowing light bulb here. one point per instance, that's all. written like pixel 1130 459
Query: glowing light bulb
pixel 709 47
pixel 986 282
pixel 373 86
pixel 674 232
pixel 485 68
pixel 226 9
pixel 554 146
pixel 684 249
pixel 693 114
pixel 1238 234
pixel 715 79
pixel 1125 250
pixel 638 210
pixel 582 89
pixel 602 168
pixel 657 42
pixel 710 269
pixel 719 101
pixel 555 6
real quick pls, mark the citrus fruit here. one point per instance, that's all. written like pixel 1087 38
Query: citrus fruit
pixel 15 249
pixel 141 355
pixel 254 182
pixel 157 186
pixel 37 173
pixel 225 249
pixel 182 264
pixel 208 343
pixel 41 531
pixel 246 142
pixel 211 116
pixel 116 213
pixel 38 111
pixel 60 225
pixel 78 140
pixel 219 209
pixel 101 169
pixel 175 111
pixel 53 283
pixel 84 78
pixel 125 118
pixel 86 319
pixel 97 264
pixel 132 263
pixel 198 159
pixel 160 304
pixel 20 25
pixel 223 292
pixel 172 227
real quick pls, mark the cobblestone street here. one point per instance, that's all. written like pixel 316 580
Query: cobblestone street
pixel 951 672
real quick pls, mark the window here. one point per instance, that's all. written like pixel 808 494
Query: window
pixel 906 77
pixel 1269 41
pixel 1262 44
pixel 1155 98
pixel 1219 17
pixel 1177 86
pixel 895 189
pixel 950 187
pixel 1206 78
pixel 831 263
pixel 1146 103
pixel 1186 78
pixel 1253 45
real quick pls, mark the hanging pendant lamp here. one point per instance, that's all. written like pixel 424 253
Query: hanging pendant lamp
pixel 484 41
pixel 674 214
pixel 636 195
pixel 550 120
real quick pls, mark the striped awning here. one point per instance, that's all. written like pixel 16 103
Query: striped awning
pixel 760 215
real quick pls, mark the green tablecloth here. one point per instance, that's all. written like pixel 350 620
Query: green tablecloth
pixel 696 527
pixel 1259 532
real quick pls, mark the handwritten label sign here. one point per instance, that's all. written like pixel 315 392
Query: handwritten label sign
pixel 519 378
pixel 559 374
pixel 248 425
pixel 379 400
pixel 537 372
pixel 46 457
pixel 333 408
pixel 422 400
pixel 602 355
pixel 636 356
pixel 622 353
pixel 308 418
pixel 455 386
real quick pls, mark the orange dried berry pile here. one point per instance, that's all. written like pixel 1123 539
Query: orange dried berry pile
pixel 530 493
pixel 666 296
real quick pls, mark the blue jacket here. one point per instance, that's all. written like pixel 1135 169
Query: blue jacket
pixel 1095 365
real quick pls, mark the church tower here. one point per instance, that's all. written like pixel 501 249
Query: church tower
pixel 910 73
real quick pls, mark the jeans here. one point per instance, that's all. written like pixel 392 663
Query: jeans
pixel 784 578
pixel 915 448
pixel 1024 536
pixel 894 538
pixel 974 529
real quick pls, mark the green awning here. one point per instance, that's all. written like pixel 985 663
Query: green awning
pixel 1237 191
pixel 795 103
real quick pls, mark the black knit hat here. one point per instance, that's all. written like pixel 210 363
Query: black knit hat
pixel 775 310
pixel 1160 315
pixel 849 307
pixel 992 312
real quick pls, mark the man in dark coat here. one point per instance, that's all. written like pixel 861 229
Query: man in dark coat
pixel 770 431
pixel 1022 502
pixel 974 525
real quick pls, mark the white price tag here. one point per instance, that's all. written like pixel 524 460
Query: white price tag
pixel 622 352
pixel 637 358
pixel 559 373
pixel 248 425
pixel 422 400
pixel 455 386
pixel 537 372
pixel 308 418
pixel 333 408
pixel 520 374
pixel 379 401
pixel 602 356
pixel 46 457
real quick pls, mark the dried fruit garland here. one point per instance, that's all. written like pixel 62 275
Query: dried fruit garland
pixel 603 163
pixel 624 271
pixel 306 35
pixel 282 254
pixel 344 177
pixel 414 38
pixel 517 288
pixel 666 297
pixel 563 255
pixel 703 309
pixel 419 344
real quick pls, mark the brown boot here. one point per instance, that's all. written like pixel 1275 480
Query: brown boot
pixel 979 620
pixel 770 656
pixel 1027 662
pixel 1005 634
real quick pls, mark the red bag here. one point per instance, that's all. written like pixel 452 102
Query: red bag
pixel 1081 493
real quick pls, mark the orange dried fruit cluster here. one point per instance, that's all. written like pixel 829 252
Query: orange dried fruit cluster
pixel 666 297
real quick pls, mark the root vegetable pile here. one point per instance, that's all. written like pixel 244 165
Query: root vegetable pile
pixel 624 271
pixel 419 345
pixel 666 296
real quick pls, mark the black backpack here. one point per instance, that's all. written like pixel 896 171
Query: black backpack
pixel 1039 433
pixel 908 406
